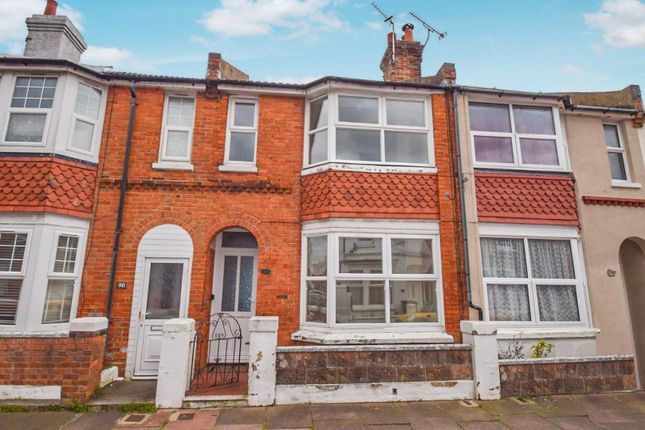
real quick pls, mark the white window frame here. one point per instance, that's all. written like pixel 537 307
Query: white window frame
pixel 65 276
pixel 386 231
pixel 46 111
pixel 78 117
pixel 17 275
pixel 515 139
pixel 175 163
pixel 527 233
pixel 243 166
pixel 620 150
pixel 334 123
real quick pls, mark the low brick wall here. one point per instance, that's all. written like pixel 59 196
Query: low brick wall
pixel 540 377
pixel 373 363
pixel 73 362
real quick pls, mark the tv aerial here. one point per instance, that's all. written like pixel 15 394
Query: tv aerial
pixel 430 28
pixel 389 19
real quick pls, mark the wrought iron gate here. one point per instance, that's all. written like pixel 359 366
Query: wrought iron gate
pixel 217 352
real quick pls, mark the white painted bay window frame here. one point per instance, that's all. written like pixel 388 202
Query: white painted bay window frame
pixel 233 165
pixel 166 162
pixel 334 123
pixel 96 122
pixel 515 137
pixel 62 275
pixel 526 233
pixel 622 151
pixel 17 275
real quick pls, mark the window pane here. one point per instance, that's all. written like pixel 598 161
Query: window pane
pixel 83 133
pixel 358 302
pixel 508 302
pixel 164 290
pixel 318 113
pixel 238 239
pixel 503 258
pixel 361 145
pixel 406 147
pixel 533 120
pixel 31 93
pixel 558 303
pixel 242 147
pixel 539 151
pixel 317 256
pixel 358 109
pixel 247 272
pixel 611 135
pixel 180 111
pixel 413 301
pixel 401 112
pixel 617 166
pixel 490 149
pixel 412 256
pixel 489 117
pixel 65 260
pixel 88 101
pixel 12 251
pixel 177 144
pixel 317 301
pixel 9 296
pixel 229 281
pixel 360 255
pixel 318 147
pixel 26 127
pixel 244 114
pixel 58 302
pixel 551 259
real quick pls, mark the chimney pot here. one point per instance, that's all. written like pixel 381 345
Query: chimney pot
pixel 407 32
pixel 50 8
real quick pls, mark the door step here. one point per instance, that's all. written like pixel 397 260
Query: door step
pixel 221 401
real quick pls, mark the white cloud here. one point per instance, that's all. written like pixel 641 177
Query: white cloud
pixel 103 56
pixel 580 73
pixel 292 80
pixel 622 22
pixel 262 17
pixel 14 12
pixel 598 49
pixel 375 25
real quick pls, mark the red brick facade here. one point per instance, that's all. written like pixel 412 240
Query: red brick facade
pixel 46 184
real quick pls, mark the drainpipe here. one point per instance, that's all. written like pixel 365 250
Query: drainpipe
pixel 119 216
pixel 464 224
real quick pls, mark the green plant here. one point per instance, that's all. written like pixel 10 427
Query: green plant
pixel 78 407
pixel 53 408
pixel 8 409
pixel 541 349
pixel 514 351
pixel 138 407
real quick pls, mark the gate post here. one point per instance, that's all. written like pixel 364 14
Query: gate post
pixel 175 362
pixel 262 357
pixel 483 339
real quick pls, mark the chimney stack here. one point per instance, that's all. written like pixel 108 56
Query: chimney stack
pixel 217 68
pixel 401 60
pixel 53 36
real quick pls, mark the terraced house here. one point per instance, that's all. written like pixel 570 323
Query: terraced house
pixel 343 237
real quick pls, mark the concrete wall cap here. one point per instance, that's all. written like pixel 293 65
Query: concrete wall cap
pixel 267 324
pixel 88 324
pixel 179 325
pixel 480 328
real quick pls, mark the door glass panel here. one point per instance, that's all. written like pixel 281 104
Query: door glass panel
pixel 164 290
pixel 229 283
pixel 246 284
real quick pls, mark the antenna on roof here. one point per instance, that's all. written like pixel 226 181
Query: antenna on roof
pixel 430 28
pixel 390 20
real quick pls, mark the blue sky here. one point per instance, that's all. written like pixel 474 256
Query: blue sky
pixel 546 45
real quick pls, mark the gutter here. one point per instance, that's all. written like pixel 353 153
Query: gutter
pixel 464 224
pixel 119 216
pixel 602 109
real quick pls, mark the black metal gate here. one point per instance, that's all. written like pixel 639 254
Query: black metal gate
pixel 217 352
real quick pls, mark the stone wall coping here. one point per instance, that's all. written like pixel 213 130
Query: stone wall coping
pixel 88 324
pixel 355 337
pixel 546 333
pixel 263 324
pixel 556 360
pixel 179 325
pixel 34 335
pixel 367 348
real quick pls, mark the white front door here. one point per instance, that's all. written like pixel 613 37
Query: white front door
pixel 163 296
pixel 234 285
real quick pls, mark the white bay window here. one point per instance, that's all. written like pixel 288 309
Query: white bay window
pixel 85 118
pixel 31 103
pixel 13 245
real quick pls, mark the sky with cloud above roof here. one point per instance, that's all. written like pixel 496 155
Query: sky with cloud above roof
pixel 546 45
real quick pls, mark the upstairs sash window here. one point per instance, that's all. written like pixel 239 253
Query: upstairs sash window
pixel 31 104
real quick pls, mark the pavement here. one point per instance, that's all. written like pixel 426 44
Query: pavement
pixel 600 411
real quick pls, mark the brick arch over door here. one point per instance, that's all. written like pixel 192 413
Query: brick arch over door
pixel 161 241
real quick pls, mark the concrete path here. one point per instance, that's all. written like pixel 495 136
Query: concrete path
pixel 603 411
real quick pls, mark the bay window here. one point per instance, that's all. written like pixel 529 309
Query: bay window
pixel 532 280
pixel 85 118
pixel 616 153
pixel 61 282
pixel 509 135
pixel 369 129
pixel 371 279
pixel 13 247
pixel 31 104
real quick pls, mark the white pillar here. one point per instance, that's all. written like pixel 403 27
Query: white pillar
pixel 262 357
pixel 175 362
pixel 483 339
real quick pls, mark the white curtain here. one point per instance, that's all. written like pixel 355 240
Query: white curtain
pixel 503 258
pixel 558 303
pixel 551 259
pixel 508 302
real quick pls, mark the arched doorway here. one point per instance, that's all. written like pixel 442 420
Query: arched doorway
pixel 235 281
pixel 632 261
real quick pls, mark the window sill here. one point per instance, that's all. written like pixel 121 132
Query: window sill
pixel 368 168
pixel 242 168
pixel 371 337
pixel 624 184
pixel 173 165
pixel 34 334
pixel 547 332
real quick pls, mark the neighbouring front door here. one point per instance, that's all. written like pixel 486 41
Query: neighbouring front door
pixel 234 286
pixel 163 297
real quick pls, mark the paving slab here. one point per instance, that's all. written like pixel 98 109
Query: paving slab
pixel 239 427
pixel 241 416
pixel 528 422
pixel 193 420
pixel 342 411
pixel 460 412
pixel 337 425
pixel 94 421
pixel 558 406
pixel 125 392
pixel 388 427
pixel 435 423
pixel 482 425
pixel 35 420
pixel 575 423
pixel 507 406
pixel 289 417
pixel 379 413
